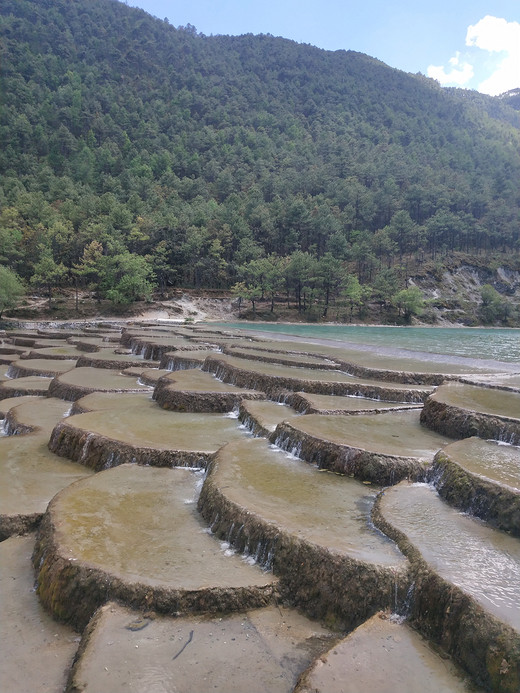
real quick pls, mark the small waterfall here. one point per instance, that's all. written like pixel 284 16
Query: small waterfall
pixel 86 447
pixel 402 609
pixel 285 443
pixel 214 523
pixel 111 461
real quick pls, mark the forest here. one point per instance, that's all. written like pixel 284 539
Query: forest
pixel 137 157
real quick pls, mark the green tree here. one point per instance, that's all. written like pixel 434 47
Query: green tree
pixel 384 287
pixel 247 292
pixel 409 302
pixel 48 273
pixel 11 289
pixel 126 278
pixel 494 307
pixel 354 294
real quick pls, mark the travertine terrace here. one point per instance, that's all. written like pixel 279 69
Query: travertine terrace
pixel 210 510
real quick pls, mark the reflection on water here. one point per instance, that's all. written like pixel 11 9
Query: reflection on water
pixel 482 561
pixel 476 343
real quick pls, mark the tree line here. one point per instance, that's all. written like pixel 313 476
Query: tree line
pixel 137 156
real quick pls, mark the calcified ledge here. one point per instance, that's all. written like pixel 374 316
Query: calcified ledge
pixel 20 387
pixel 359 370
pixel 73 591
pixel 405 377
pixel 44 368
pixel 273 384
pixel 73 391
pixel 169 396
pixel 184 360
pixel 483 645
pixel 304 404
pixel 99 452
pixel 498 505
pixel 458 422
pixel 365 465
pixel 327 585
pixel 312 361
pixel 15 525
pixel 98 362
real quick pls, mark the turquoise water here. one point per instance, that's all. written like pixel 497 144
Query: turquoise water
pixel 475 342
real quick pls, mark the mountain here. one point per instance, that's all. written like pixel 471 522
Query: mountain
pixel 129 145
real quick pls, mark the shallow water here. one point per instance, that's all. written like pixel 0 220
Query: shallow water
pixel 31 474
pixel 311 374
pixel 142 523
pixel 148 425
pixel 269 414
pixel 195 380
pixel 476 343
pixel 32 383
pixel 391 433
pixel 100 378
pixel 40 412
pixel 482 399
pixel 321 507
pixel 350 404
pixel 488 458
pixel 482 561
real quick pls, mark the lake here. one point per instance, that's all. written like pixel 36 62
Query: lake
pixel 497 344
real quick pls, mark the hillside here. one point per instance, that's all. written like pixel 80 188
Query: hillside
pixel 138 156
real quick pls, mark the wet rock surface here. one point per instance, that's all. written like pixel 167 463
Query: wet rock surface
pixel 35 651
pixel 180 549
pixel 383 655
pixel 197 391
pixel 83 380
pixel 257 651
pixel 465 582
pixel 379 448
pixel 481 478
pixel 147 547
pixel 461 410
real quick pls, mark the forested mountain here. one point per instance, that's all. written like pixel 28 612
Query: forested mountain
pixel 136 154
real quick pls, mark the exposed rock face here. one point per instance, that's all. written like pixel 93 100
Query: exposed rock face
pixel 486 647
pixel 365 465
pixel 99 452
pixel 272 384
pixel 456 422
pixel 327 585
pixel 498 505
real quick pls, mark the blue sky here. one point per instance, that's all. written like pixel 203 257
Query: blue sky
pixel 474 44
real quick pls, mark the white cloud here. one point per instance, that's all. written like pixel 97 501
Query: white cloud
pixel 500 39
pixel 460 74
pixel 497 35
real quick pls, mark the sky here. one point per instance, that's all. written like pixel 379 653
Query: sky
pixel 472 44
